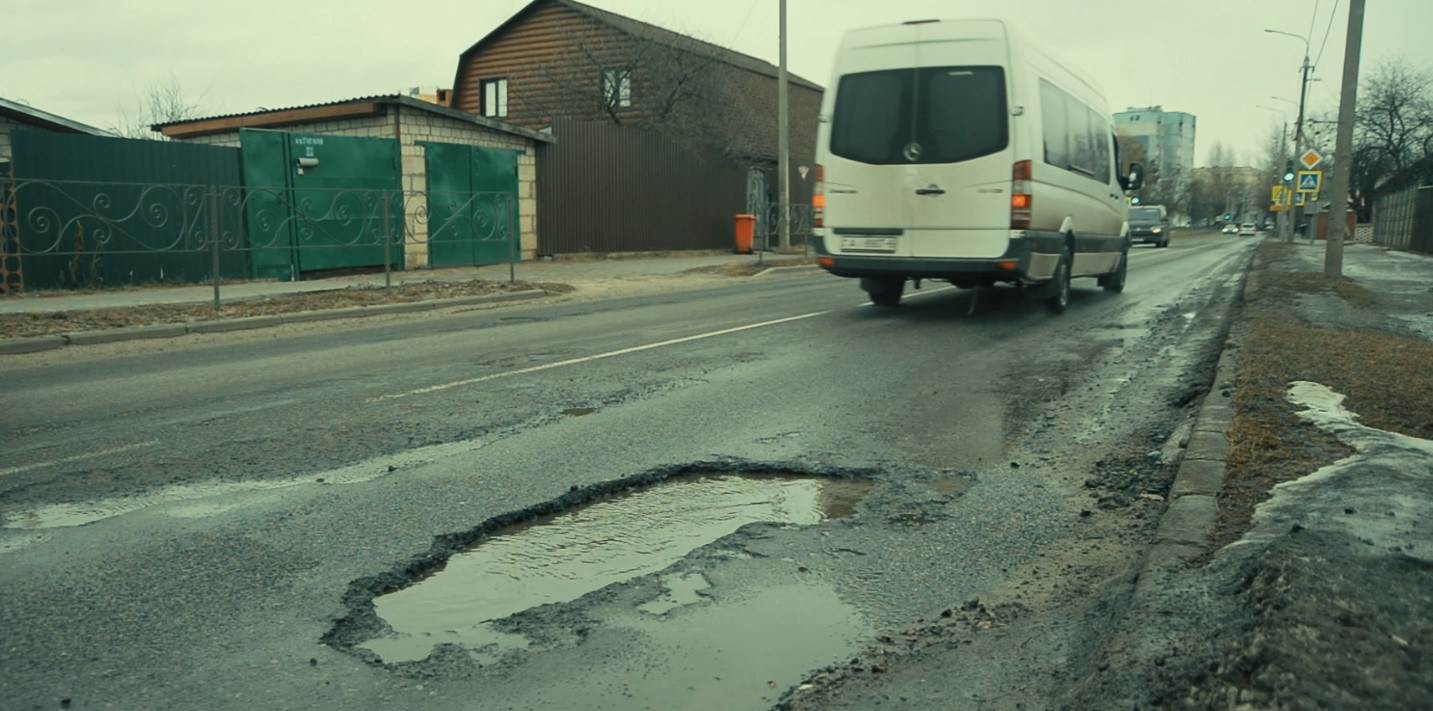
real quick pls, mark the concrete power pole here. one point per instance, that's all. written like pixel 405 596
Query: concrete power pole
pixel 784 141
pixel 1343 148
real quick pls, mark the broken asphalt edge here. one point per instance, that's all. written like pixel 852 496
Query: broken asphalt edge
pixel 16 346
pixel 1184 532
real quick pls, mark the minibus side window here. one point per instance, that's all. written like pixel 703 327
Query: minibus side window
pixel 1052 120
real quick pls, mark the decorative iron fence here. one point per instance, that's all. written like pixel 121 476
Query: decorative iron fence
pixel 63 234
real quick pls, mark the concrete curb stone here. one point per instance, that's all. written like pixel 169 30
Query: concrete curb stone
pixel 225 325
pixel 328 315
pixel 411 307
pixel 131 333
pixel 1188 521
pixel 15 346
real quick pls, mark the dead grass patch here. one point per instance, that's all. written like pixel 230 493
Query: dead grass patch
pixel 55 322
pixel 1384 377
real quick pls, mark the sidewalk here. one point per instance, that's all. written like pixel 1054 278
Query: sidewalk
pixel 567 271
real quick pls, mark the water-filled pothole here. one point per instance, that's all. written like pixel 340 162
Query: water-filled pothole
pixel 560 558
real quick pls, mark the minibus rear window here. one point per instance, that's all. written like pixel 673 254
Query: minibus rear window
pixel 925 115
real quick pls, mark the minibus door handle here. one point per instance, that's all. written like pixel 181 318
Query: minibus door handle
pixel 932 190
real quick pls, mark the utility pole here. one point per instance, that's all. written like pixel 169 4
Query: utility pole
pixel 784 140
pixel 1298 127
pixel 1343 148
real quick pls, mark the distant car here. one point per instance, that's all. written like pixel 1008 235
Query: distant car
pixel 1230 229
pixel 1149 223
pixel 1247 230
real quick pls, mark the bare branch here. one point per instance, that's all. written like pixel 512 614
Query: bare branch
pixel 163 102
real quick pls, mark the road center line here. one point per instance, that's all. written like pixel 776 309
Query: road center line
pixel 912 295
pixel 587 359
pixel 77 458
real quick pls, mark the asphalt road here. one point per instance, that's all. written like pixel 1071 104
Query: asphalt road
pixel 184 522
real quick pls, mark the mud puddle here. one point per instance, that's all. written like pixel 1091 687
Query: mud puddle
pixel 561 558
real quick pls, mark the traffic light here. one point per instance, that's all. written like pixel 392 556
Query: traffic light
pixel 1288 171
pixel 1134 201
pixel 1228 217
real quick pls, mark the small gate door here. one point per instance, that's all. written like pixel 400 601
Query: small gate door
pixel 472 204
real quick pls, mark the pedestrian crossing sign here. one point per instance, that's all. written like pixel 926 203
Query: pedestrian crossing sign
pixel 1310 180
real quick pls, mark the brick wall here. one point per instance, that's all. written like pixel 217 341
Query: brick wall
pixel 6 126
pixel 419 126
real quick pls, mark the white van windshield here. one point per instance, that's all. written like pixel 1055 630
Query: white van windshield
pixel 926 115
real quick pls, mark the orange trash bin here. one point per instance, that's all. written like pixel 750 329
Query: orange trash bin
pixel 745 233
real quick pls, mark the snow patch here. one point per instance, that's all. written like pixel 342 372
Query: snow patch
pixel 1381 496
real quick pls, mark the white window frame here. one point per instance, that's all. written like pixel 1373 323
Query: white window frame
pixel 495 97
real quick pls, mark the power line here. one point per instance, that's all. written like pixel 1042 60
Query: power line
pixel 744 20
pixel 1314 18
pixel 1325 43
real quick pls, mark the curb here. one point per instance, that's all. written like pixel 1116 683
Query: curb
pixel 1184 529
pixel 16 346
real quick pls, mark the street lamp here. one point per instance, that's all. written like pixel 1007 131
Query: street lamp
pixel 1303 95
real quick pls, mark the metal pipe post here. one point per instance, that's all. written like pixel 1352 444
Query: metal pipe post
pixel 387 244
pixel 214 239
pixel 784 139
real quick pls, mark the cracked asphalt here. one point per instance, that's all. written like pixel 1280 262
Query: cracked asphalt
pixel 205 522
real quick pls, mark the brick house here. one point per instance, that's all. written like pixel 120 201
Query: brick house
pixel 559 58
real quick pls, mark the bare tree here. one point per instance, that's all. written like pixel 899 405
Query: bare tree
pixel 1393 130
pixel 163 102
pixel 1217 189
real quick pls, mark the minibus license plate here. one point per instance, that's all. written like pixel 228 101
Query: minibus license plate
pixel 878 245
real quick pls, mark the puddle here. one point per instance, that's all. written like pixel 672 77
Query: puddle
pixel 561 558
pixel 745 654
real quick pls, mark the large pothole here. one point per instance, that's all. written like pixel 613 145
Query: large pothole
pixel 559 557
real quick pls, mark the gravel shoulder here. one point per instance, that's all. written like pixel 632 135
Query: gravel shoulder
pixel 1320 596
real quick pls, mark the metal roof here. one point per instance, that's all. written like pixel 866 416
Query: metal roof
pixel 653 33
pixel 392 99
pixel 25 113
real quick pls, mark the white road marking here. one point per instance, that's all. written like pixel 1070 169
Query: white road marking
pixel 922 292
pixel 77 458
pixel 588 359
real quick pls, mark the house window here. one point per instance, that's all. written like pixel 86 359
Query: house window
pixel 495 97
pixel 617 88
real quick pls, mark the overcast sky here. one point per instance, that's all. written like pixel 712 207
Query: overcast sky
pixel 86 59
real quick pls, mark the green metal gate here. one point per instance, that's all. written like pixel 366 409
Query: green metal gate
pixel 318 203
pixel 472 205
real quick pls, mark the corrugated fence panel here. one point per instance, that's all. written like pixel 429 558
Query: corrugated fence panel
pixel 1422 238
pixel 102 212
pixel 604 188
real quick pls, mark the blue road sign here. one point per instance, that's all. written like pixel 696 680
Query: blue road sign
pixel 1310 180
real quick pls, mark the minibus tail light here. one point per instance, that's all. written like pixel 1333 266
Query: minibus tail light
pixel 1020 198
pixel 818 198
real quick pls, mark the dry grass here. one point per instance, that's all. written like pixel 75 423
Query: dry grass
pixel 44 324
pixel 1385 379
